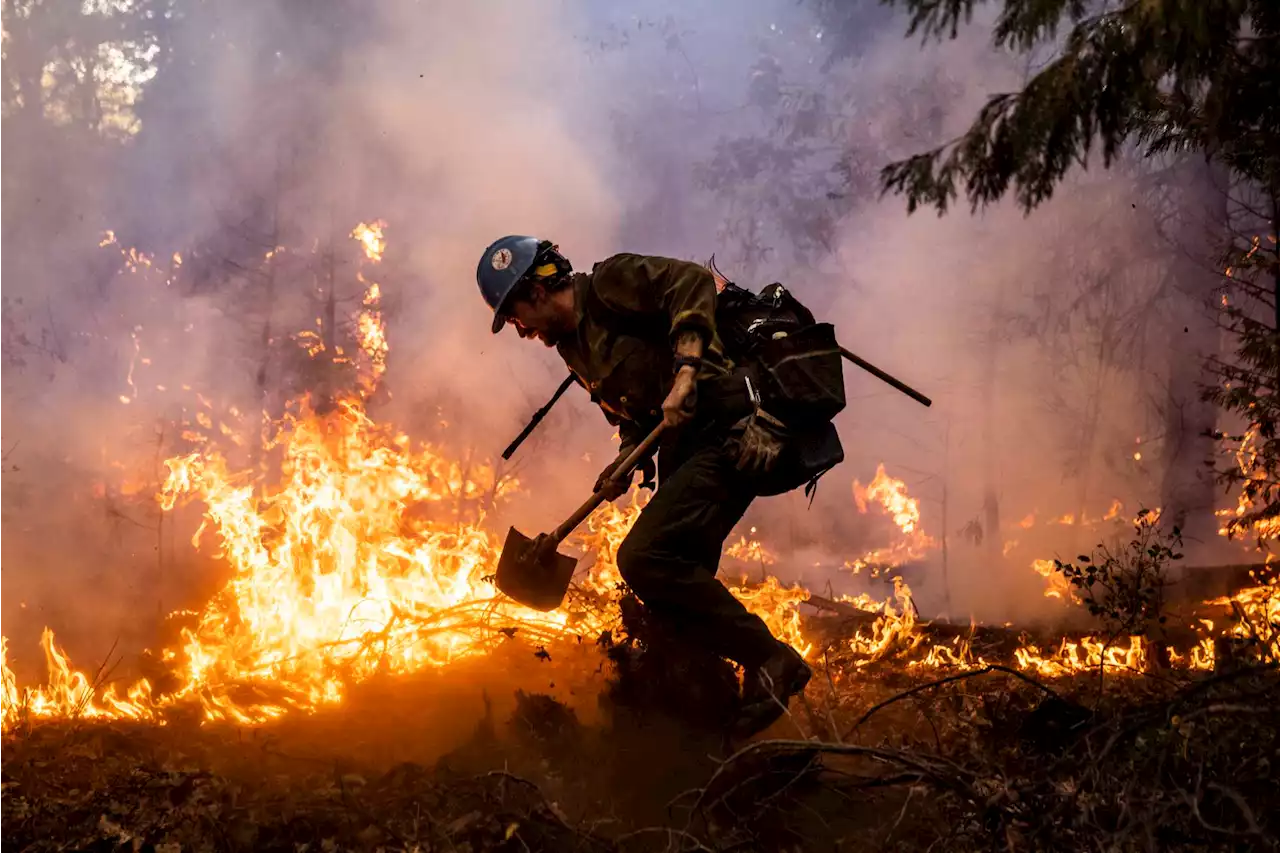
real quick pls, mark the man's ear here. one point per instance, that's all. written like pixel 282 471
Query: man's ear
pixel 537 294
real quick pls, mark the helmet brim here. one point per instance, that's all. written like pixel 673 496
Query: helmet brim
pixel 500 314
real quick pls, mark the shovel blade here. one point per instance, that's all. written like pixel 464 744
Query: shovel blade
pixel 532 574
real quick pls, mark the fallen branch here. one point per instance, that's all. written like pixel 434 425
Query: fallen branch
pixel 941 681
pixel 940 770
pixel 671 833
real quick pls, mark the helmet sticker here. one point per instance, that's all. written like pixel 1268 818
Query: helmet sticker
pixel 501 259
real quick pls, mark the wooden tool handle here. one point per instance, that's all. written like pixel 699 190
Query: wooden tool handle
pixel 624 470
pixel 884 377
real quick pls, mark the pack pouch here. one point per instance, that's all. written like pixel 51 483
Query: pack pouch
pixel 809 453
pixel 801 374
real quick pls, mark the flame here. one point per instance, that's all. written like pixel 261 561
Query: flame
pixel 776 604
pixel 333 573
pixel 1256 484
pixel 779 607
pixel 1056 584
pixel 373 336
pixel 371 239
pixel 1256 612
pixel 359 560
pixel 1085 520
pixel 350 566
pixel 958 655
pixel 354 564
pixel 891 631
pixel 601 535
pixel 1085 654
pixel 891 495
pixel 750 551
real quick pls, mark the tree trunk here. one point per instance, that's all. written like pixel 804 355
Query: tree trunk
pixel 990 458
pixel 1187 488
pixel 1275 232
pixel 24 63
pixel 1092 422
pixel 265 342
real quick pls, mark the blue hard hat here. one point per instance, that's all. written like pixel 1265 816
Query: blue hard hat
pixel 501 267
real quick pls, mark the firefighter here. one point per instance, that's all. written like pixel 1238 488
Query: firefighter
pixel 639 334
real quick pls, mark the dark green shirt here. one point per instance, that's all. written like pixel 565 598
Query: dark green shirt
pixel 630 310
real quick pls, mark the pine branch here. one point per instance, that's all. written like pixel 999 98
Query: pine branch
pixel 1172 75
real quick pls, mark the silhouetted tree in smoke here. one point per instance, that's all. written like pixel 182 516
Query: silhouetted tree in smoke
pixel 789 181
pixel 237 143
pixel 1199 75
pixel 1249 383
pixel 67 73
pixel 1172 78
pixel 1186 202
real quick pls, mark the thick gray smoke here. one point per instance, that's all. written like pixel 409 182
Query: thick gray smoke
pixel 672 128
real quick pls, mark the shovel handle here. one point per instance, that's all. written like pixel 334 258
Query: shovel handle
pixel 627 467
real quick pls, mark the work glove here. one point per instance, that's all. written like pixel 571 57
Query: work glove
pixel 761 439
pixel 617 489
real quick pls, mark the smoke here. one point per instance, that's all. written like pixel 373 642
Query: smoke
pixel 1045 340
pixel 605 128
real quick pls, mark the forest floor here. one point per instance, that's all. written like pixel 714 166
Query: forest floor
pixel 629 757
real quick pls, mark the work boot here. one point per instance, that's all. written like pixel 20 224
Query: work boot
pixel 767 689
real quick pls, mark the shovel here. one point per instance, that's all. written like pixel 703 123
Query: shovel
pixel 532 571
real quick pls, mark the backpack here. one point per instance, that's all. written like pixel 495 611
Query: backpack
pixel 796 360
pixel 793 367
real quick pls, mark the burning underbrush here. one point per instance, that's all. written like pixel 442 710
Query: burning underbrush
pixel 354 565
pixel 358 682
pixel 354 552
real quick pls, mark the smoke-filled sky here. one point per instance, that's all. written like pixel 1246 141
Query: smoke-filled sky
pixel 681 129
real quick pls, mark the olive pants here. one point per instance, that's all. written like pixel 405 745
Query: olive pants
pixel 670 557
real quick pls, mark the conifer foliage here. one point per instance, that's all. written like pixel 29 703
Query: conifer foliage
pixel 1164 77
pixel 1164 74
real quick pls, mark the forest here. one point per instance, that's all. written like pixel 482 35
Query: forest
pixel 254 495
